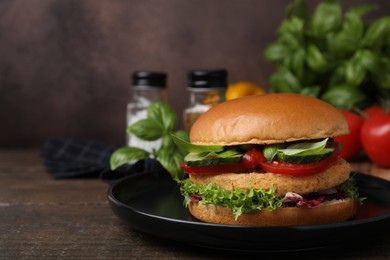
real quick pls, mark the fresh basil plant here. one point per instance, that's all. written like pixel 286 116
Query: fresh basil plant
pixel 332 54
pixel 160 123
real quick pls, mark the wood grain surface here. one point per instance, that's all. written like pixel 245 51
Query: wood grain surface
pixel 71 219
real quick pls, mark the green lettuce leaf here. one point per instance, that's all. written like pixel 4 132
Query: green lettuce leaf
pixel 351 189
pixel 239 200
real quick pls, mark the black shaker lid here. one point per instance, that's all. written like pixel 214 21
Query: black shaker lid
pixel 216 79
pixel 149 78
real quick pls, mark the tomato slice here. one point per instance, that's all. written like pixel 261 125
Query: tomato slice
pixel 214 169
pixel 299 169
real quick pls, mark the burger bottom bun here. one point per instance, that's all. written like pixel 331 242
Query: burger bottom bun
pixel 329 212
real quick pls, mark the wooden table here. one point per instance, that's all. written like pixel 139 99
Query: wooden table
pixel 45 218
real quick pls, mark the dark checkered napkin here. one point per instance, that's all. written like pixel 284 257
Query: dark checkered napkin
pixel 69 158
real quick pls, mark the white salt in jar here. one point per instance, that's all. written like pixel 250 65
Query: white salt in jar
pixel 147 87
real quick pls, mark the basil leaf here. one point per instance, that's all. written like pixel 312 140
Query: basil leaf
pixel 346 41
pixel 126 154
pixel 368 60
pixel 171 162
pixel 290 40
pixel 291 32
pixel 285 81
pixel 271 150
pixel 326 18
pixel 376 31
pixel 275 52
pixel 354 73
pixel 304 148
pixel 303 159
pixel 146 129
pixel 192 148
pixel 316 60
pixel 343 96
pixel 341 45
pixel 353 25
pixel 182 134
pixel 213 158
pixel 162 115
pixel 293 25
pixel 298 63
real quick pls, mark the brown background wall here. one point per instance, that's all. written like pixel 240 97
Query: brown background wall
pixel 65 64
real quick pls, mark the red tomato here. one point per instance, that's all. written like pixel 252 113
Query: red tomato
pixel 252 159
pixel 375 137
pixel 350 143
pixel 375 110
pixel 299 169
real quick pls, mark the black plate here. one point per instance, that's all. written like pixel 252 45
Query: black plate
pixel 151 202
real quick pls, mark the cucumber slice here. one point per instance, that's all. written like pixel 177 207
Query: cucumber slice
pixel 302 159
pixel 205 159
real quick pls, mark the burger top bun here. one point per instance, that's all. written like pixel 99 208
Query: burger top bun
pixel 267 119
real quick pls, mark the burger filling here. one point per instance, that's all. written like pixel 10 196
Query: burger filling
pixel 249 200
pixel 294 158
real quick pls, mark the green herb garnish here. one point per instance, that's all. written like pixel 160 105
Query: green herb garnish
pixel 296 149
pixel 332 54
pixel 160 123
pixel 192 148
pixel 304 148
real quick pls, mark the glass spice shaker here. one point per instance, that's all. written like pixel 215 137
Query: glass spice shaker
pixel 206 88
pixel 147 87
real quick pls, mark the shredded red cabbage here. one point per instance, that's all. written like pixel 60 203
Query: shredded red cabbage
pixel 195 197
pixel 292 199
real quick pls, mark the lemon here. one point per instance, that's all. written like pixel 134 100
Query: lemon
pixel 242 89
